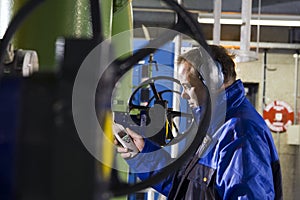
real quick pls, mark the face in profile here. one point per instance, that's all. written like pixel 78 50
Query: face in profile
pixel 193 88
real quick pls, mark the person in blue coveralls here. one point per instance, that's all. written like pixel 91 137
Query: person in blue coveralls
pixel 240 163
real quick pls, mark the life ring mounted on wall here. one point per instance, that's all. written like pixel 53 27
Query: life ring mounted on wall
pixel 278 115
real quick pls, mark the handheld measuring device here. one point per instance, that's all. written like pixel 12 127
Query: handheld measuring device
pixel 124 139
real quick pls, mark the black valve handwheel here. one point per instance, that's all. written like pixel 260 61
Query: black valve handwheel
pixel 158 97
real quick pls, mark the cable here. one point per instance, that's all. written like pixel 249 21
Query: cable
pixel 15 23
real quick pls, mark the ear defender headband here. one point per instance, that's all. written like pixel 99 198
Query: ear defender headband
pixel 210 71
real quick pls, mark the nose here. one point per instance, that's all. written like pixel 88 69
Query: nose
pixel 184 94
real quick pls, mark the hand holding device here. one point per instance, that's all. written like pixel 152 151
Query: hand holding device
pixel 124 139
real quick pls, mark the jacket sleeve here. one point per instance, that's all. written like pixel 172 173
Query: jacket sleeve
pixel 244 168
pixel 150 161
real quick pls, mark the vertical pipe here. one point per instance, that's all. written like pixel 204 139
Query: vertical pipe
pixel 177 41
pixel 264 80
pixel 123 23
pixel 258 27
pixel 296 121
pixel 296 93
pixel 106 17
pixel 51 20
pixel 217 24
pixel 246 27
pixel 177 45
pixel 176 87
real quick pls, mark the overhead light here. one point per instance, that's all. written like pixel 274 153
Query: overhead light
pixel 265 20
pixel 252 22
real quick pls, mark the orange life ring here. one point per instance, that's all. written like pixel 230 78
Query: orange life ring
pixel 278 115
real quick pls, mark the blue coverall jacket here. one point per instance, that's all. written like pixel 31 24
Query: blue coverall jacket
pixel 243 164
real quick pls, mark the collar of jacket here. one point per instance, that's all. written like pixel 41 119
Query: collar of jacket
pixel 235 95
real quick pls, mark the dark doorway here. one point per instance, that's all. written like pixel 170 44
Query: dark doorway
pixel 251 90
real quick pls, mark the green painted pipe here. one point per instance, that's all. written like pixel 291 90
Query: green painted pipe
pixel 123 23
pixel 53 19
pixel 106 17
